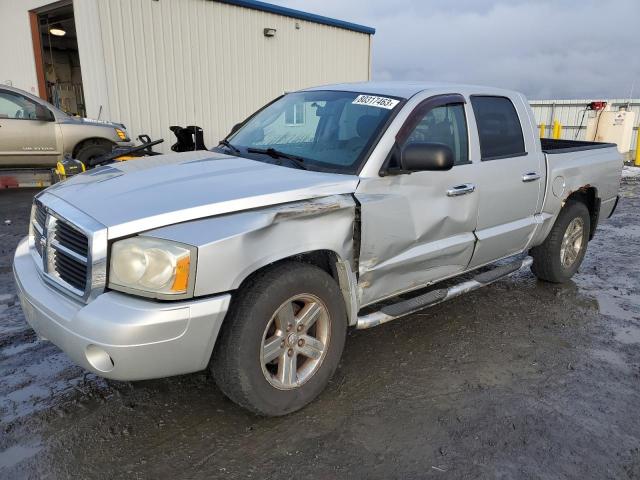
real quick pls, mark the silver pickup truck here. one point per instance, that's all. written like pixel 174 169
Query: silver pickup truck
pixel 333 207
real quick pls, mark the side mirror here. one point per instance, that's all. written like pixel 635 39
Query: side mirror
pixel 419 157
pixel 44 114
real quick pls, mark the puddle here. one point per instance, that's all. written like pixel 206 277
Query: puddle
pixel 628 335
pixel 16 454
pixel 611 306
pixel 32 388
pixel 610 356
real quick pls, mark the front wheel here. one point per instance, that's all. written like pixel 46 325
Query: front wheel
pixel 92 150
pixel 558 258
pixel 282 341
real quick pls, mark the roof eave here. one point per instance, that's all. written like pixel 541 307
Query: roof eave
pixel 300 15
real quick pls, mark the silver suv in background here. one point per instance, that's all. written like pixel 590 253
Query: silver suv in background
pixel 34 133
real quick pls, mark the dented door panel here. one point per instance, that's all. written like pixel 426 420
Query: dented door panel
pixel 412 233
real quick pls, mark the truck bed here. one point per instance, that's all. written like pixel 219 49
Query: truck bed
pixel 552 145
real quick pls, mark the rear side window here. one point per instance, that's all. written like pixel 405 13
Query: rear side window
pixel 499 127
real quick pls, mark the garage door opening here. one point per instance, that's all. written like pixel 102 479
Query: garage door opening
pixel 55 46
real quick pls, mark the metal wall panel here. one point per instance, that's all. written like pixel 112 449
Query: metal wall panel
pixel 17 65
pixel 569 114
pixel 201 62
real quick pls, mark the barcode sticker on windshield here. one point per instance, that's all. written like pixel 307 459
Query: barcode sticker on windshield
pixel 372 101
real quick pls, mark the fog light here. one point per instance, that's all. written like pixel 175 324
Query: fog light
pixel 99 359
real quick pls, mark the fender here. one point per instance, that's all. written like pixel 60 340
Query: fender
pixel 232 247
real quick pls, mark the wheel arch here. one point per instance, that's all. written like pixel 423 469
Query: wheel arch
pixel 327 260
pixel 85 141
pixel 588 195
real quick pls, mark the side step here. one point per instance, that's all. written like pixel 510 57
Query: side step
pixel 407 307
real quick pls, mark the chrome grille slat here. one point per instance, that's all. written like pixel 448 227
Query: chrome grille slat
pixel 37 237
pixel 41 215
pixel 70 264
pixel 69 272
pixel 67 251
pixel 71 239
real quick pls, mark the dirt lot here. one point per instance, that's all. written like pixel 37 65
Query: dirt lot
pixel 519 380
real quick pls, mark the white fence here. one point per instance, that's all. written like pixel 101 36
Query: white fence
pixel 570 112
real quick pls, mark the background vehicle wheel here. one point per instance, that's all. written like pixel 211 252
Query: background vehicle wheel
pixel 93 149
pixel 282 340
pixel 558 258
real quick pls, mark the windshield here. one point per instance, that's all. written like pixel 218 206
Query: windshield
pixel 326 130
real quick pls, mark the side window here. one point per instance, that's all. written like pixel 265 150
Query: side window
pixel 499 127
pixel 16 106
pixel 447 125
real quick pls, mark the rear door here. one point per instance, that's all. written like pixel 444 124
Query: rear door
pixel 509 179
pixel 418 228
pixel 27 132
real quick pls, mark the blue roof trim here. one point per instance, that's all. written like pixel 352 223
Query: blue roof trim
pixel 290 12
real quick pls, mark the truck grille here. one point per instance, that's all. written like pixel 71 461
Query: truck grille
pixel 62 248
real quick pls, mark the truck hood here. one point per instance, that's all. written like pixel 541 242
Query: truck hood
pixel 151 192
pixel 89 121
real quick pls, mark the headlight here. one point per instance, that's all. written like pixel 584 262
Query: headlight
pixel 122 135
pixel 151 267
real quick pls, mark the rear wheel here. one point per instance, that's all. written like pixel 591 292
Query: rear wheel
pixel 558 258
pixel 282 340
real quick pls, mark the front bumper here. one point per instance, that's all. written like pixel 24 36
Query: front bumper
pixel 118 336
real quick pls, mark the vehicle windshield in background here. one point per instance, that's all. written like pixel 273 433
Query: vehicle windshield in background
pixel 324 130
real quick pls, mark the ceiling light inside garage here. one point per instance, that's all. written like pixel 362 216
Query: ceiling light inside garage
pixel 57 30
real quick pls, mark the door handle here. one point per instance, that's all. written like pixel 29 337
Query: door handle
pixel 461 189
pixel 530 177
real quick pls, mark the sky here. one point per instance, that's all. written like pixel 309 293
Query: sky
pixel 546 49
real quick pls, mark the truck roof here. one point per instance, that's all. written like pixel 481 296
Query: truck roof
pixel 407 89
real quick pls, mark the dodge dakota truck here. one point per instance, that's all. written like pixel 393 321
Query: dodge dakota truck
pixel 339 206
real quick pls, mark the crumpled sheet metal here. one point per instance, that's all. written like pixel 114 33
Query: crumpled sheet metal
pixel 232 246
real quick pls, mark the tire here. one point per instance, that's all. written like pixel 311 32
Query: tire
pixel 548 264
pixel 92 149
pixel 237 361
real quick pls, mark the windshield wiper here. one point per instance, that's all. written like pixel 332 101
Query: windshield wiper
pixel 273 153
pixel 225 143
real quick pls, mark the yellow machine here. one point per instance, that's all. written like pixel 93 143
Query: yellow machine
pixel 67 167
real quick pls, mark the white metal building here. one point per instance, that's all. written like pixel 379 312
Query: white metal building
pixel 570 114
pixel 154 63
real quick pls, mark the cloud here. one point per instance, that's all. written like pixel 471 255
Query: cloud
pixel 546 49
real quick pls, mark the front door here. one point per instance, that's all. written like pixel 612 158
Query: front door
pixel 27 132
pixel 510 178
pixel 418 228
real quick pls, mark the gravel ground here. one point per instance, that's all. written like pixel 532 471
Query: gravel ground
pixel 521 379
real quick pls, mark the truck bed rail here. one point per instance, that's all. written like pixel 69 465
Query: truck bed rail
pixel 552 145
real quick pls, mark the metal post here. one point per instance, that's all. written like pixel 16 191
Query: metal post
pixel 557 129
pixel 637 160
pixel 543 127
